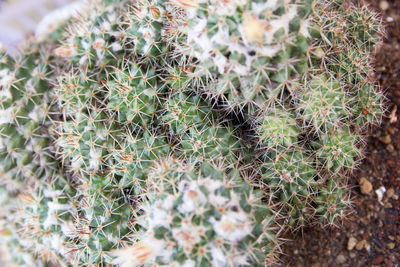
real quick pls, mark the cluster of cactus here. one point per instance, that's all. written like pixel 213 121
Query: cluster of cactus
pixel 200 216
pixel 182 132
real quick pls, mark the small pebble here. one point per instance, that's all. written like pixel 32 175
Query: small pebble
pixel 351 243
pixel 388 205
pixel 386 139
pixel 340 259
pixel 391 130
pixel 390 192
pixel 365 186
pixel 390 148
pixel 368 247
pixel 361 244
pixel 383 5
pixel 377 243
pixel 379 192
pixel 390 19
pixel 390 245
pixel 378 259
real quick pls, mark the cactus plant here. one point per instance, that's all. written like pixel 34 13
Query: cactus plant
pixel 183 132
pixel 200 216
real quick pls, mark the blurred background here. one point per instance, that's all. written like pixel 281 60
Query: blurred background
pixel 19 17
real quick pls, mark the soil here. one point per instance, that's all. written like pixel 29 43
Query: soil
pixel 370 235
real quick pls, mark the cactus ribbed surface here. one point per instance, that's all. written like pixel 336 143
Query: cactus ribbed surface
pixel 182 132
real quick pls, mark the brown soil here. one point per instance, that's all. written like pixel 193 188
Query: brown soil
pixel 370 236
